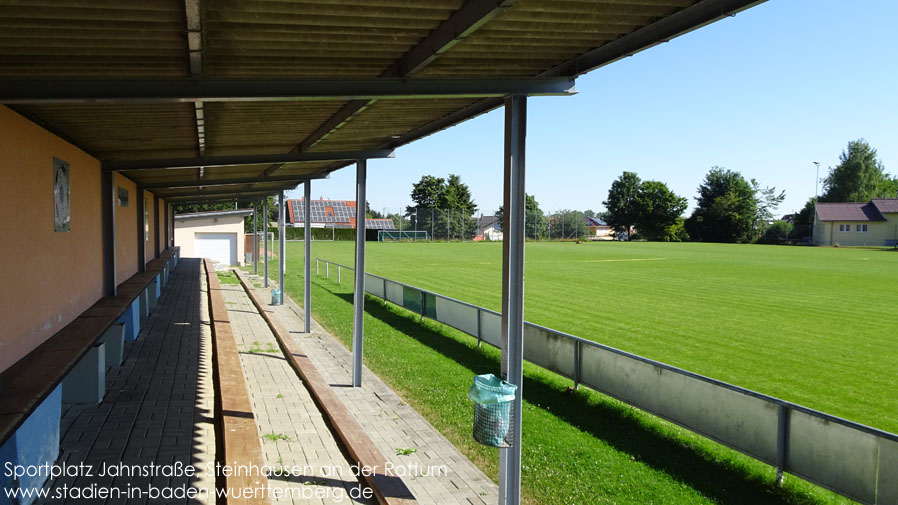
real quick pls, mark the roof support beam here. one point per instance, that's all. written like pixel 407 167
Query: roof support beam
pixel 222 195
pixel 195 54
pixel 461 24
pixel 184 91
pixel 230 161
pixel 678 23
pixel 298 179
pixel 240 199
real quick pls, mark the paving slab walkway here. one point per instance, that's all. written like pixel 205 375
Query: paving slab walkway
pixel 157 410
pixel 437 473
pixel 297 444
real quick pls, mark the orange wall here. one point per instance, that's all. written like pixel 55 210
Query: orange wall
pixel 49 277
pixel 126 230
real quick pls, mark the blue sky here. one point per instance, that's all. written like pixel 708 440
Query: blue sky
pixel 765 93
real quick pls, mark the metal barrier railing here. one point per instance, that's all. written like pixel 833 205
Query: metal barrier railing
pixel 849 458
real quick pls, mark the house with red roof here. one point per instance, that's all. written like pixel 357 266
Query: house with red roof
pixel 874 223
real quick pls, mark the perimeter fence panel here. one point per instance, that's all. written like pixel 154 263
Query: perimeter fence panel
pixel 887 488
pixel 375 285
pixel 458 315
pixel 411 299
pixel 834 456
pixel 851 459
pixel 393 292
pixel 743 422
pixel 491 328
pixel 550 350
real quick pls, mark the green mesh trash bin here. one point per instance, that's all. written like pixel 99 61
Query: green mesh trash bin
pixel 493 420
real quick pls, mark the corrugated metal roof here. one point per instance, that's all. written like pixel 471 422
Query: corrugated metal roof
pixel 263 39
pixel 886 205
pixel 848 212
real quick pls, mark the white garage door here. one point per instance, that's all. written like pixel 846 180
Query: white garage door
pixel 220 247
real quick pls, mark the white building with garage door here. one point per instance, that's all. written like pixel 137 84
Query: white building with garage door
pixel 215 235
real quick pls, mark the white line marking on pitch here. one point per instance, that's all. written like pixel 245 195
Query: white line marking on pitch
pixel 628 259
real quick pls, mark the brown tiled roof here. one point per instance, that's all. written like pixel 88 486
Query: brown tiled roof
pixel 848 212
pixel 886 205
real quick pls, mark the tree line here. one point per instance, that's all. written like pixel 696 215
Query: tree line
pixel 730 208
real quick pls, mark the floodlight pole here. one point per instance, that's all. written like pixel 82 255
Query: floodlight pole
pixel 512 343
pixel 282 245
pixel 307 257
pixel 817 179
pixel 256 238
pixel 359 292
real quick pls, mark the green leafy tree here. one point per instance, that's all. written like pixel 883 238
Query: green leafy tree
pixel 443 206
pixel 768 201
pixel 657 212
pixel 776 233
pixel 188 208
pixel 727 208
pixel 806 215
pixel 371 213
pixel 620 212
pixel 567 224
pixel 534 219
pixel 858 177
pixel 888 188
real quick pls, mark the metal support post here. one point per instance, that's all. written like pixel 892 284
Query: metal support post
pixel 282 243
pixel 107 206
pixel 165 217
pixel 307 258
pixel 141 232
pixel 256 238
pixel 782 442
pixel 513 291
pixel 265 237
pixel 156 226
pixel 479 327
pixel 359 295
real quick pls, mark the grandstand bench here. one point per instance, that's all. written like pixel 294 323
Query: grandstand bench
pixel 32 390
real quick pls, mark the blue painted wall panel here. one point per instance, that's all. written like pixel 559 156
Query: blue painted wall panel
pixel 37 440
pixel 7 455
pixel 131 318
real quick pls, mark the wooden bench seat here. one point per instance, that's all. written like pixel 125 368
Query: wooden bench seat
pixel 25 384
pixel 235 422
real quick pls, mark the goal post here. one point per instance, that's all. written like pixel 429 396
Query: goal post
pixel 397 235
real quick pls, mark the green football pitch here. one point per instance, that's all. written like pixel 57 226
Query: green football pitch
pixel 815 326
